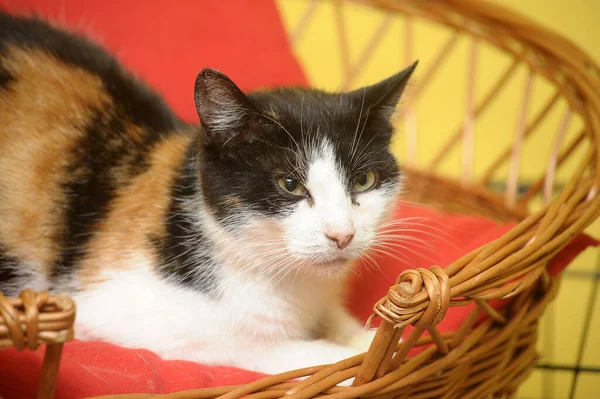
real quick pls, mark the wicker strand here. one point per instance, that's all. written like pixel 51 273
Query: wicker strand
pixel 371 46
pixel 515 156
pixel 304 21
pixel 553 161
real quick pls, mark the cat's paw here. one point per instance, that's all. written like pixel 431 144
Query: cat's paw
pixel 346 383
pixel 362 340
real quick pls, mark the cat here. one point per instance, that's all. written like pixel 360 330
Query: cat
pixel 228 242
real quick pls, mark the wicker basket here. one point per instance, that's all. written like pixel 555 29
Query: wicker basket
pixel 33 319
pixel 486 357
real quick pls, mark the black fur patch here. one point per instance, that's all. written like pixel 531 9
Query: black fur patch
pixel 142 106
pixel 249 168
pixel 5 78
pixel 8 272
pixel 252 141
pixel 181 251
pixel 103 161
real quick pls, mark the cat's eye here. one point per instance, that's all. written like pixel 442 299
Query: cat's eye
pixel 364 182
pixel 292 186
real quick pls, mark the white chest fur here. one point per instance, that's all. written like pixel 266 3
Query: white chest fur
pixel 138 309
pixel 279 283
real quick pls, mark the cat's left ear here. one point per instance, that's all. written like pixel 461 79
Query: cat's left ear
pixel 384 96
pixel 222 106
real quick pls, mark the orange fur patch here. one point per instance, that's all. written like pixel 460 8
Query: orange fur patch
pixel 42 113
pixel 135 215
pixel 232 201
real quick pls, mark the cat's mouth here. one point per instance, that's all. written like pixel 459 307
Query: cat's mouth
pixel 329 258
pixel 333 261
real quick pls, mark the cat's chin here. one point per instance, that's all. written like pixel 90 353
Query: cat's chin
pixel 337 262
pixel 333 268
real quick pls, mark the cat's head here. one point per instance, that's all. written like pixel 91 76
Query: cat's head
pixel 303 175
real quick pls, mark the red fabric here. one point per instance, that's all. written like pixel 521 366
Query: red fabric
pixel 438 239
pixel 168 42
pixel 96 368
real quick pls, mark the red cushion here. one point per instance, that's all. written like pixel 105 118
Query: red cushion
pixel 167 42
pixel 96 368
pixel 438 239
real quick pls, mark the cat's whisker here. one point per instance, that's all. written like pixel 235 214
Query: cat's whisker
pixel 371 262
pixel 353 145
pixel 407 223
pixel 290 268
pixel 436 234
pixel 250 264
pixel 395 256
pixel 381 247
pixel 407 244
pixel 358 162
pixel 302 119
pixel 405 239
pixel 413 228
pixel 388 249
pixel 414 220
pixel 249 259
pixel 285 266
pixel 394 237
pixel 409 218
pixel 281 126
pixel 244 254
pixel 264 268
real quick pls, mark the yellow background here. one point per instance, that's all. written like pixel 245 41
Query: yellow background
pixel 440 111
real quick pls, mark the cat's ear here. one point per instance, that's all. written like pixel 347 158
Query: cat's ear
pixel 383 97
pixel 222 107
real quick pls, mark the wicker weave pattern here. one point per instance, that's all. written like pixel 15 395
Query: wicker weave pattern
pixel 37 318
pixel 34 319
pixel 493 351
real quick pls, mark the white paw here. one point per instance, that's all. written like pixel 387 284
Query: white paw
pixel 362 340
pixel 346 383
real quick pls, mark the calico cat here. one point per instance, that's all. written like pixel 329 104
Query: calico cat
pixel 226 243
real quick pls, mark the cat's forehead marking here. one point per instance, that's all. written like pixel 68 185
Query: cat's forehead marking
pixel 325 176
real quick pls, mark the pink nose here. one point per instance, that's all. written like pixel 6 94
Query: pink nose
pixel 341 239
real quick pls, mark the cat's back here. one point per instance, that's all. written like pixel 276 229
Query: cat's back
pixel 55 68
pixel 75 128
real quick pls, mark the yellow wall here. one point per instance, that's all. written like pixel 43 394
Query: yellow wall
pixel 440 111
pixel 441 108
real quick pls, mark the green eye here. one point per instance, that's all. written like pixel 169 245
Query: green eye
pixel 292 186
pixel 364 182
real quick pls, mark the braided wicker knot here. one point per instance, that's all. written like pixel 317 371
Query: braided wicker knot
pixel 13 318
pixel 420 297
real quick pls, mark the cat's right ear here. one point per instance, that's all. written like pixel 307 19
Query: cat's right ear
pixel 222 107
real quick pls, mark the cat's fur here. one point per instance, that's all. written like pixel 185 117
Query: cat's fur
pixel 179 238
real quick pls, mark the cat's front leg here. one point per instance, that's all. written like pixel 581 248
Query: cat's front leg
pixel 343 329
pixel 297 354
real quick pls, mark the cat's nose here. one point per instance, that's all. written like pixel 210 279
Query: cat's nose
pixel 341 238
